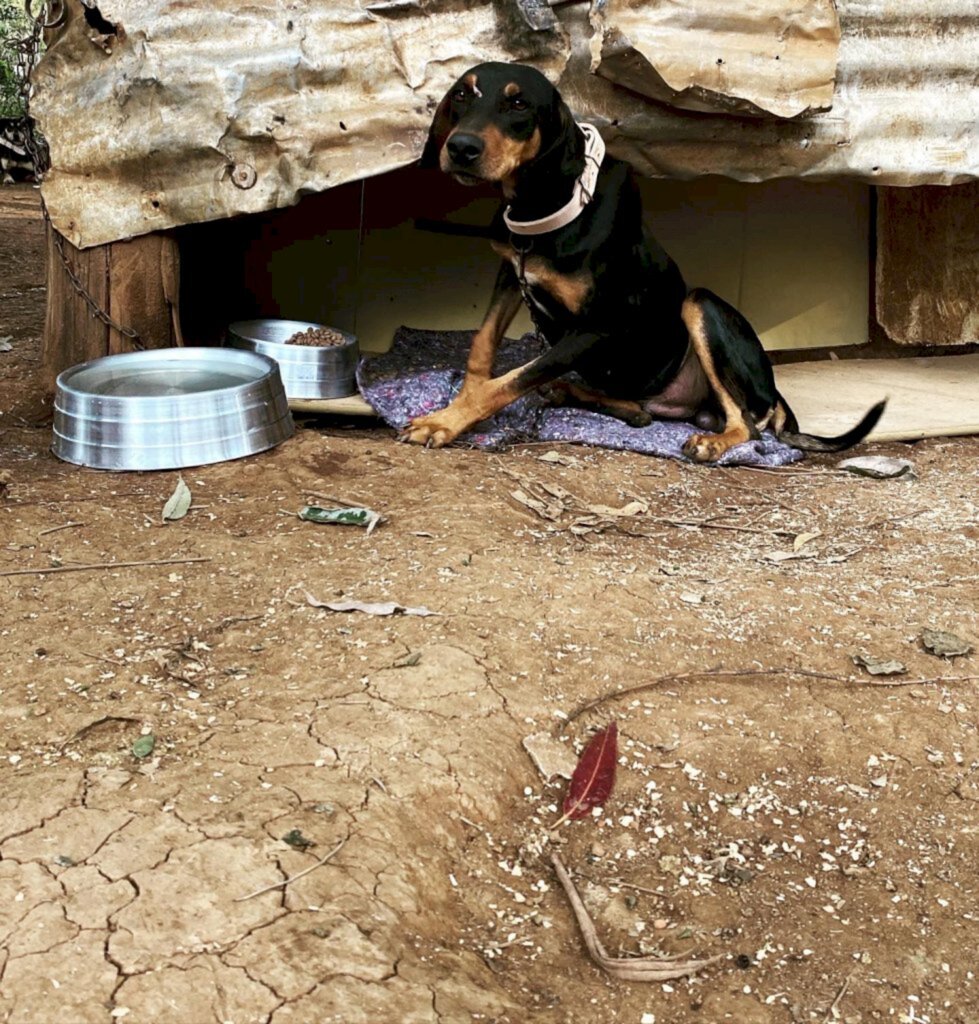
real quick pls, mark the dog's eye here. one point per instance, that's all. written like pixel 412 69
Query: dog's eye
pixel 459 95
pixel 518 103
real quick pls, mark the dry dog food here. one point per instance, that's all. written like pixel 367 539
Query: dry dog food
pixel 318 336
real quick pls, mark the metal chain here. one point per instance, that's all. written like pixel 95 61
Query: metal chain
pixel 525 287
pixel 93 306
pixel 29 50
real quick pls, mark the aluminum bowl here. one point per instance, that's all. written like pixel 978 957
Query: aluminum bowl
pixel 169 408
pixel 308 371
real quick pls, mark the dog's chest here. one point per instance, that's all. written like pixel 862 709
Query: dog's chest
pixel 537 272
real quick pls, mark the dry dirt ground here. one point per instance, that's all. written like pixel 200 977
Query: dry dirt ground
pixel 813 825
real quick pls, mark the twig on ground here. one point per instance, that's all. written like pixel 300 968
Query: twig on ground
pixel 949 582
pixel 640 968
pixel 471 824
pixel 890 519
pixel 839 997
pixel 77 498
pixel 338 501
pixel 707 524
pixel 617 883
pixel 102 657
pixel 915 682
pixel 790 471
pixel 91 726
pixel 100 565
pixel 55 529
pixel 735 673
pixel 292 878
pixel 686 677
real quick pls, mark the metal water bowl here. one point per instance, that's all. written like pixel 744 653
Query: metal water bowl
pixel 308 371
pixel 169 408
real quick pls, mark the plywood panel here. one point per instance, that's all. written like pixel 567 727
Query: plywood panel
pixel 793 256
pixel 932 397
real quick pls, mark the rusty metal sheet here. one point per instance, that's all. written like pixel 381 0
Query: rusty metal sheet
pixel 903 112
pixel 753 57
pixel 168 112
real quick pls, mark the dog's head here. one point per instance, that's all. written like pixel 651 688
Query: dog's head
pixel 496 119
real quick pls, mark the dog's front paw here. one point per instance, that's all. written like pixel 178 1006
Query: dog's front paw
pixel 640 418
pixel 432 431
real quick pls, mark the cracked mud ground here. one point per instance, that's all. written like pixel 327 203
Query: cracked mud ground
pixel 819 831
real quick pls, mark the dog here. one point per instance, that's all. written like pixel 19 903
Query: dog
pixel 611 304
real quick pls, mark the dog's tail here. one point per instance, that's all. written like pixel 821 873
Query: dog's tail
pixel 814 443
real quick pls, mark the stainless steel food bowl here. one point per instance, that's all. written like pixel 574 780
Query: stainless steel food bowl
pixel 308 371
pixel 168 408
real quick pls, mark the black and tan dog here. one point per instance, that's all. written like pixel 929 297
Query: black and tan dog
pixel 609 301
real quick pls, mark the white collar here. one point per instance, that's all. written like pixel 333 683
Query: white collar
pixel 584 189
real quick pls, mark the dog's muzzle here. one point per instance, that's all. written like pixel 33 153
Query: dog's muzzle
pixel 464 150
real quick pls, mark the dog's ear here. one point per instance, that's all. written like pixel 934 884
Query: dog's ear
pixel 437 134
pixel 567 141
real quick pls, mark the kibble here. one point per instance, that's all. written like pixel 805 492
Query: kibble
pixel 320 337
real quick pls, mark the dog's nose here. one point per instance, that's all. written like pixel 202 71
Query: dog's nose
pixel 465 149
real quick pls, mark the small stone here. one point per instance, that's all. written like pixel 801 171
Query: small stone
pixel 878 666
pixel 670 864
pixel 943 644
pixel 877 467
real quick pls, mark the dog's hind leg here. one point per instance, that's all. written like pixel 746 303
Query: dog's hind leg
pixel 737 370
pixel 743 385
pixel 566 392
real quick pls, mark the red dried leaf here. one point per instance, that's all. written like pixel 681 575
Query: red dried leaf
pixel 594 777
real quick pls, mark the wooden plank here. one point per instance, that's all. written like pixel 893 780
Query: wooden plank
pixel 135 282
pixel 142 292
pixel 71 334
pixel 352 405
pixel 934 396
pixel 928 264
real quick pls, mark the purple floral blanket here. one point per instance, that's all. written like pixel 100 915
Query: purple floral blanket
pixel 423 371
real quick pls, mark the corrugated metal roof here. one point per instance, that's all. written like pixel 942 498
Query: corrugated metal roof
pixel 905 109
pixel 191 111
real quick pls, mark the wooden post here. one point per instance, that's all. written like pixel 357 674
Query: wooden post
pixel 135 283
pixel 928 264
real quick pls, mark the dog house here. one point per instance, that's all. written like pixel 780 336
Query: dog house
pixel 814 162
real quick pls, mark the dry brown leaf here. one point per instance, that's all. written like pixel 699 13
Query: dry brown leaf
pixel 544 509
pixel 803 539
pixel 632 508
